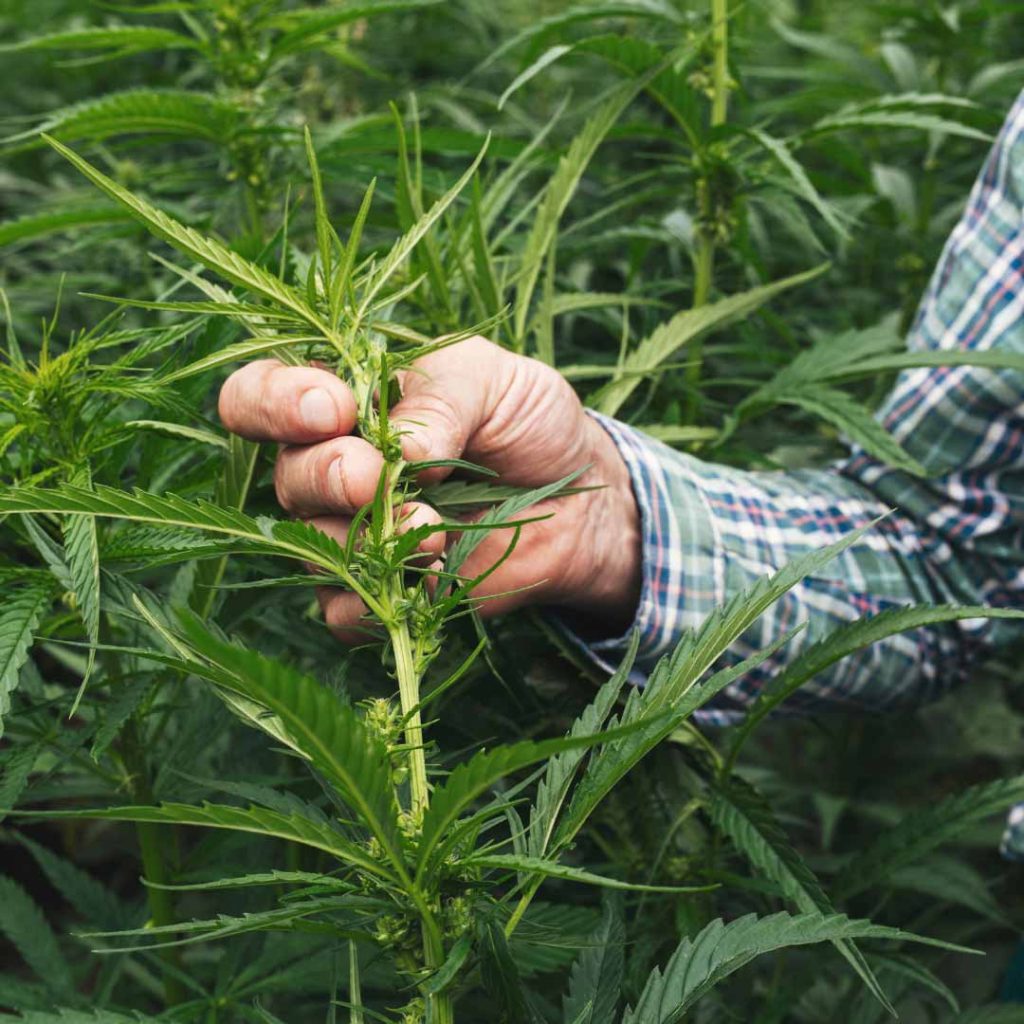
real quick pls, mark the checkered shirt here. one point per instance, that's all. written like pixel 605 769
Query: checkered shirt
pixel 956 536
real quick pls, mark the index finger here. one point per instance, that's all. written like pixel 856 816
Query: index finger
pixel 268 401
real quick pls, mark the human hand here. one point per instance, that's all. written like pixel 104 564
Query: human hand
pixel 471 400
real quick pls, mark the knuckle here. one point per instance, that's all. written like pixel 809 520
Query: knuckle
pixel 244 390
pixel 326 476
pixel 282 490
pixel 227 404
pixel 478 343
pixel 340 611
pixel 445 420
pixel 278 409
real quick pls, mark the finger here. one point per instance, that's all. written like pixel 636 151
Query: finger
pixel 412 516
pixel 345 615
pixel 268 401
pixel 524 578
pixel 337 476
pixel 335 527
pixel 447 396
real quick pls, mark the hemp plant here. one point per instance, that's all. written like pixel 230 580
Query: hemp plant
pixel 436 869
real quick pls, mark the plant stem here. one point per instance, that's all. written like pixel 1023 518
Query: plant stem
pixel 720 68
pixel 152 841
pixel 439 1004
pixel 522 905
pixel 392 609
pixel 441 1010
pixel 704 243
pixel 409 695
pixel 355 991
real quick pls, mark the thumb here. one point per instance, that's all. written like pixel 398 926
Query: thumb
pixel 447 396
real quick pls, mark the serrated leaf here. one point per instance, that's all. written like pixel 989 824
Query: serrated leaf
pixel 567 872
pixel 19 617
pixel 559 191
pixel 449 970
pixel 576 302
pixel 163 545
pixel 949 880
pixel 468 542
pixel 666 340
pixel 919 832
pixel 225 925
pixel 28 930
pixel 323 729
pixel 122 39
pixel 548 57
pixel 461 494
pixel 895 119
pixel 122 705
pixel 82 556
pixel 255 820
pixel 14 775
pixel 801 182
pixel 550 935
pixel 296 540
pixel 855 422
pixel 674 688
pixel 653 9
pixel 238 352
pixel 139 111
pixel 500 976
pixel 914 974
pixel 595 980
pixel 474 777
pixel 561 770
pixel 181 430
pixel 399 252
pixel 847 639
pixel 738 810
pixel 93 900
pixel 720 949
pixel 307 28
pixel 259 878
pixel 997 359
pixel 38 225
pixel 219 258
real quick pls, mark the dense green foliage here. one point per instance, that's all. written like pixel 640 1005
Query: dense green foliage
pixel 605 186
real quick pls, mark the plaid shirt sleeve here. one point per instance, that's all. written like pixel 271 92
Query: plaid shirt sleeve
pixel 957 536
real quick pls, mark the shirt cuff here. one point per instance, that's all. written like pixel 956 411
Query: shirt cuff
pixel 683 574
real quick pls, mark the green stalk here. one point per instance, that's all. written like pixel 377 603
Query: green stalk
pixel 355 990
pixel 521 907
pixel 439 1004
pixel 409 695
pixel 152 841
pixel 720 69
pixel 704 252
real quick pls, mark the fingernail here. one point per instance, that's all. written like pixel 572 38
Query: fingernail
pixel 318 412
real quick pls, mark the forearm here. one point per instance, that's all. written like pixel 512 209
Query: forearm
pixel 955 536
pixel 708 532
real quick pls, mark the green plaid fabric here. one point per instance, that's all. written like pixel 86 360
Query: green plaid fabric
pixel 957 536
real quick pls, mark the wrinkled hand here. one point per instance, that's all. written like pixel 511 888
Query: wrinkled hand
pixel 471 400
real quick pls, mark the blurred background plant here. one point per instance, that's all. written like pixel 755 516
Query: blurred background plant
pixel 646 157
